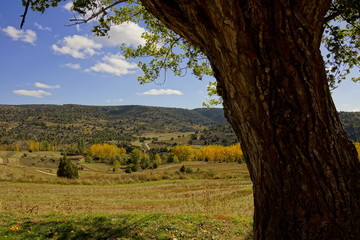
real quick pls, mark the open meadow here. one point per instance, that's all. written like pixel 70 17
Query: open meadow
pixel 213 202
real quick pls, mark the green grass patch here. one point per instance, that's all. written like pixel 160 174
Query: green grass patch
pixel 125 226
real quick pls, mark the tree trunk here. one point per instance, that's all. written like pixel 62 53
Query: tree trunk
pixel 266 59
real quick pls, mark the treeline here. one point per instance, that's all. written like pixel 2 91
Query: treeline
pixel 215 153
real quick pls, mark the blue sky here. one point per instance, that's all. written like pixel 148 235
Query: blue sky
pixel 50 63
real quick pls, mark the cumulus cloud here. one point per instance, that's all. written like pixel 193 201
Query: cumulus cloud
pixel 128 33
pixel 37 93
pixel 43 85
pixel 40 27
pixel 162 92
pixel 72 65
pixel 114 64
pixel 27 36
pixel 77 46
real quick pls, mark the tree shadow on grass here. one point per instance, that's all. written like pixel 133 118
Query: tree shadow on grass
pixel 82 228
pixel 125 227
pixel 104 228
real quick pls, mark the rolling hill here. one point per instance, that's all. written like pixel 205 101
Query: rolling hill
pixel 67 124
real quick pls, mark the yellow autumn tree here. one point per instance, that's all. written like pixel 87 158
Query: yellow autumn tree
pixel 34 145
pixel 233 153
pixel 209 153
pixel 184 153
pixel 106 151
pixel 220 153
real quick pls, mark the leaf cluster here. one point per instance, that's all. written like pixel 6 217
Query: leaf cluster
pixel 341 39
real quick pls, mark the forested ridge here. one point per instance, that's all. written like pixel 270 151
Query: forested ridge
pixel 66 123
pixel 351 122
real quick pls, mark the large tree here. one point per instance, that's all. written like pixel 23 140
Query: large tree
pixel 265 56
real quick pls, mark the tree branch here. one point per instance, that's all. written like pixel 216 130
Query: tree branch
pixel 332 16
pixel 96 14
pixel 25 13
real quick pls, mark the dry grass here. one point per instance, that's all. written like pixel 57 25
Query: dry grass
pixel 96 173
pixel 226 196
pixel 214 202
pixel 213 188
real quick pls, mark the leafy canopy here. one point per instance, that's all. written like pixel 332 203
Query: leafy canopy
pixel 170 52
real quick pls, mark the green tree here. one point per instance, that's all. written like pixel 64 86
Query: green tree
pixel 81 146
pixel 136 156
pixel 157 159
pixel 116 165
pixel 67 169
pixel 175 159
pixel 145 161
pixel 272 78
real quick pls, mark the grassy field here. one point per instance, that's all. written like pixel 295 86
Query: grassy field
pixel 214 202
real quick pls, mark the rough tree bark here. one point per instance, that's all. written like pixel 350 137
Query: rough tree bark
pixel 270 73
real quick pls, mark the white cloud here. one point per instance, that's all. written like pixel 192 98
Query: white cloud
pixel 42 27
pixel 28 36
pixel 128 33
pixel 114 64
pixel 43 85
pixel 162 92
pixel 77 46
pixel 68 6
pixel 72 65
pixel 38 93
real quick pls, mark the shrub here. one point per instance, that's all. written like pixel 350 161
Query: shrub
pixel 67 169
pixel 88 159
pixel 184 169
pixel 136 167
pixel 116 165
pixel 129 169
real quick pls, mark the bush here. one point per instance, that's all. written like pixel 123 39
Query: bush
pixel 128 169
pixel 184 169
pixel 116 165
pixel 172 158
pixel 136 167
pixel 67 169
pixel 88 159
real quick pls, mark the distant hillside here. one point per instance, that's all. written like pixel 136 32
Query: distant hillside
pixel 351 122
pixel 67 124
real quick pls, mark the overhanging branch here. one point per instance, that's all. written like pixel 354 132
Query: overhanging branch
pixel 23 16
pixel 96 14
